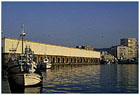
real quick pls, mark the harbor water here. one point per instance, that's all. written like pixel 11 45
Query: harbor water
pixel 109 78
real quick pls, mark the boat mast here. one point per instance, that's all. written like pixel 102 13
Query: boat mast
pixel 22 35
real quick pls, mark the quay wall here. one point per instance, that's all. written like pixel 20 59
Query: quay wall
pixel 42 49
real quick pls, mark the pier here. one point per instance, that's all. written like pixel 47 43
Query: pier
pixel 56 54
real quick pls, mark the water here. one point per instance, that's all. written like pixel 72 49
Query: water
pixel 110 78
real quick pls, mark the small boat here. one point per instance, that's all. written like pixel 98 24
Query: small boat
pixel 106 62
pixel 128 61
pixel 46 64
pixel 22 70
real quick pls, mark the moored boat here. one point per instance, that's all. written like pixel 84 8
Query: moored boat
pixel 46 64
pixel 25 79
pixel 22 70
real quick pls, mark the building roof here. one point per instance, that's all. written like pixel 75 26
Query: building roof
pixel 45 43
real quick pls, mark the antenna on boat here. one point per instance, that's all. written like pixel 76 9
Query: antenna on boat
pixel 22 35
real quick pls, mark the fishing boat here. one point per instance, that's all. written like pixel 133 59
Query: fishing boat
pixel 22 70
pixel 46 63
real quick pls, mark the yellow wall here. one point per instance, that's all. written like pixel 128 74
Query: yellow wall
pixel 47 49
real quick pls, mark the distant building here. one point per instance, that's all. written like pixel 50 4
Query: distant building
pixel 85 47
pixel 120 52
pixel 106 56
pixel 132 45
pixel 103 49
pixel 104 52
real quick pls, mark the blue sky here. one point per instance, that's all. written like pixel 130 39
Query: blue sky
pixel 98 24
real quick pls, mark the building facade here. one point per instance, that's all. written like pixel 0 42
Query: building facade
pixel 132 45
pixel 106 56
pixel 120 52
pixel 55 53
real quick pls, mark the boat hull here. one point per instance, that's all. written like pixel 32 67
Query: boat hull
pixel 25 79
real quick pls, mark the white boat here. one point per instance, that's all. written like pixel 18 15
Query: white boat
pixel 25 79
pixel 22 70
pixel 46 63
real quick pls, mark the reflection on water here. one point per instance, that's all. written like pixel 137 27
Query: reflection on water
pixel 69 79
pixel 32 89
pixel 108 78
pixel 111 78
pixel 36 89
pixel 127 77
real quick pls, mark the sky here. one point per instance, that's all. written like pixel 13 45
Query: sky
pixel 97 24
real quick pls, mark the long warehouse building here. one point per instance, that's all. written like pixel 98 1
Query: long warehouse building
pixel 55 53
